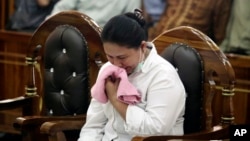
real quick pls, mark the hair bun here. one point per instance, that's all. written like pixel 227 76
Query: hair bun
pixel 137 16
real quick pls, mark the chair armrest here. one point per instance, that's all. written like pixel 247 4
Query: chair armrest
pixel 219 132
pixel 30 125
pixel 28 121
pixel 54 130
pixel 52 127
pixel 17 102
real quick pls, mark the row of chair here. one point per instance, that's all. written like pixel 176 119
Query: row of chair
pixel 63 59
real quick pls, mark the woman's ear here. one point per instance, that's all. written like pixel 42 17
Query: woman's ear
pixel 143 46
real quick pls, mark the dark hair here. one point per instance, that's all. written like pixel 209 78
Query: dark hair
pixel 128 29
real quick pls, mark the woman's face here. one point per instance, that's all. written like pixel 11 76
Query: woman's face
pixel 122 56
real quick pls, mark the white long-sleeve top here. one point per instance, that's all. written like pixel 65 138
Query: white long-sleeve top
pixel 160 112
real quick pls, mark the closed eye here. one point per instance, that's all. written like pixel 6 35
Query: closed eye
pixel 122 57
pixel 108 56
pixel 118 57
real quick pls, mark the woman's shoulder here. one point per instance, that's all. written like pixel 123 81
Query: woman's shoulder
pixel 160 65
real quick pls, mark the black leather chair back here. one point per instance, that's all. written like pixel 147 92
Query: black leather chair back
pixel 189 65
pixel 66 84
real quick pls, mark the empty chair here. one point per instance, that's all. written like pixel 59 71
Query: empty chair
pixel 64 56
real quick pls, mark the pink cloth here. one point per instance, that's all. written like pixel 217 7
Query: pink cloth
pixel 126 92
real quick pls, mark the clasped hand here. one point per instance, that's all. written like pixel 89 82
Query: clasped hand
pixel 111 87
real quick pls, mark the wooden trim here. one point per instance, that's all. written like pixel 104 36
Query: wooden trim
pixel 14 36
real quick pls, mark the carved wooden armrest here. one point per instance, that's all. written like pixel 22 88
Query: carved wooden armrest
pixel 55 129
pixel 17 102
pixel 51 127
pixel 27 121
pixel 219 132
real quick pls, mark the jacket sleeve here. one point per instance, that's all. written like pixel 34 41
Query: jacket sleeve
pixel 93 129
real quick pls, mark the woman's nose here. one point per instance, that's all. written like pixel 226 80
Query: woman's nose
pixel 116 62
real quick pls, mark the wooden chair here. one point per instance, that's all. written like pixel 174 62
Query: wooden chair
pixel 63 58
pixel 214 111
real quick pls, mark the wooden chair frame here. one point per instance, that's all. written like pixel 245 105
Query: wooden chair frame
pixel 33 111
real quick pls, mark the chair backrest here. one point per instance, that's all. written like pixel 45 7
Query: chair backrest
pixel 67 48
pixel 206 73
pixel 189 65
pixel 66 72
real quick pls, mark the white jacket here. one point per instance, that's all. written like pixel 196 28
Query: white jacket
pixel 160 112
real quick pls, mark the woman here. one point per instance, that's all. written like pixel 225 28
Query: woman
pixel 161 109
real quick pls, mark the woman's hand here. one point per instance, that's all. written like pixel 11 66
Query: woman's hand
pixel 111 87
